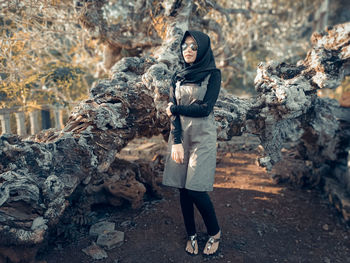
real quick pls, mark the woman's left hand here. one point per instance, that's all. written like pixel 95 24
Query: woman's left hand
pixel 168 112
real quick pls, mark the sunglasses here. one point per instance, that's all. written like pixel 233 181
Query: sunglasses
pixel 193 46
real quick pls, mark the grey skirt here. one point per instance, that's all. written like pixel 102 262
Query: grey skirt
pixel 198 170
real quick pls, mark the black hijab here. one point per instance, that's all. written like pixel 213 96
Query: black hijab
pixel 204 63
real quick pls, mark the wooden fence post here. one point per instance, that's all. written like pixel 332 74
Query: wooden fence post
pixel 5 123
pixel 34 124
pixel 58 118
pixel 20 121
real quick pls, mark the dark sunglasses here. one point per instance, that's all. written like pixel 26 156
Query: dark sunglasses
pixel 193 46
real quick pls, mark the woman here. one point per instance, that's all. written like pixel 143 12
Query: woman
pixel 192 162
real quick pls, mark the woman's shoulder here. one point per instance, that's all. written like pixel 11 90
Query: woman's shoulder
pixel 215 75
pixel 173 79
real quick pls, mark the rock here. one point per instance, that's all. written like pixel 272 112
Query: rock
pixel 325 227
pixel 95 252
pixel 39 223
pixel 326 260
pixel 101 228
pixel 338 197
pixel 126 223
pixel 130 189
pixel 110 239
pixel 345 99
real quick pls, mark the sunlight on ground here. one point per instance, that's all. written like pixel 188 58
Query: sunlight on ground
pixel 239 171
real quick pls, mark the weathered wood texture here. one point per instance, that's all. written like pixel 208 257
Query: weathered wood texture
pixel 289 111
pixel 39 175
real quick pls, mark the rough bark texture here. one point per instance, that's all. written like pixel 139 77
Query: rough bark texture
pixel 317 129
pixel 40 176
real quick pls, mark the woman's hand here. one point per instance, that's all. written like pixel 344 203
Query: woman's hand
pixel 168 112
pixel 177 153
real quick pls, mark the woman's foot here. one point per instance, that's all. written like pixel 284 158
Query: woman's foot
pixel 192 245
pixel 212 245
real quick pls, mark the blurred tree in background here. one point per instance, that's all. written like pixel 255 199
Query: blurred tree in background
pixel 45 58
pixel 52 50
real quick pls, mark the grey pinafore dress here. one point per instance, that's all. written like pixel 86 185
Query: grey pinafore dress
pixel 199 141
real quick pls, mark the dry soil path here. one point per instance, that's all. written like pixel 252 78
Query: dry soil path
pixel 260 221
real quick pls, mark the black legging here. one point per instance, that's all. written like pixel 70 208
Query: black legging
pixel 205 208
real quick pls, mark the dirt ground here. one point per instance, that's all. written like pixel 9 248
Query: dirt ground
pixel 260 222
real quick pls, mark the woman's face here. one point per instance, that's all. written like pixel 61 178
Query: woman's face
pixel 189 50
